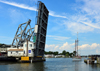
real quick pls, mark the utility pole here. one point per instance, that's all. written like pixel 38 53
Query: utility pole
pixel 27 49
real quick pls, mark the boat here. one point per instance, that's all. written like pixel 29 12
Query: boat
pixel 76 57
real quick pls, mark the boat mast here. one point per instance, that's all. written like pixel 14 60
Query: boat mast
pixel 75 48
pixel 77 43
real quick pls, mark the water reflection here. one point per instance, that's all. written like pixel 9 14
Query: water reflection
pixel 95 67
pixel 6 66
pixel 38 66
pixel 98 65
pixel 77 66
pixel 54 64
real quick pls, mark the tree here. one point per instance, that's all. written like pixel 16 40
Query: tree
pixel 50 52
pixel 74 53
pixel 56 53
pixel 63 52
pixel 70 54
pixel 67 54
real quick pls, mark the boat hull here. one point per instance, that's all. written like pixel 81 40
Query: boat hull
pixel 76 59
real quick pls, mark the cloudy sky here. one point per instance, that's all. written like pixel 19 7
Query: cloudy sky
pixel 66 18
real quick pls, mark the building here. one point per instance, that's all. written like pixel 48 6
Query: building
pixel 3 49
pixel 58 56
pixel 25 50
pixel 49 56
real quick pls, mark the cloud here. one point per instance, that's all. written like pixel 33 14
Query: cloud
pixel 97 51
pixel 84 46
pixel 94 45
pixel 23 6
pixel 86 17
pixel 53 14
pixel 80 23
pixel 65 46
pixel 19 5
pixel 91 25
pixel 49 46
pixel 58 37
pixel 77 27
pixel 52 47
pixel 87 46
pixel 90 6
pixel 91 10
pixel 87 49
pixel 84 49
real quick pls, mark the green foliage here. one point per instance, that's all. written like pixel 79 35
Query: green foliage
pixel 74 52
pixel 63 52
pixel 70 54
pixel 67 54
pixel 56 53
pixel 50 52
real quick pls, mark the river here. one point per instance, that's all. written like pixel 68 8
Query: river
pixel 51 64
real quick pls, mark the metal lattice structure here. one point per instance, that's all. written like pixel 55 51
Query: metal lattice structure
pixel 23 33
pixel 42 20
pixel 39 31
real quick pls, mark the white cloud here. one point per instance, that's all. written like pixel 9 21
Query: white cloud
pixel 52 47
pixel 91 25
pixel 84 49
pixel 95 45
pixel 68 47
pixel 86 17
pixel 53 14
pixel 58 37
pixel 84 46
pixel 91 6
pixel 19 5
pixel 98 51
pixel 23 6
pixel 77 27
pixel 91 47
pixel 65 46
pixel 49 46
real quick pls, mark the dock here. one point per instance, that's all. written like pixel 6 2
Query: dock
pixel 92 59
pixel 25 60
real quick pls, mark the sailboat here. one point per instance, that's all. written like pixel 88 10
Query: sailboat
pixel 76 57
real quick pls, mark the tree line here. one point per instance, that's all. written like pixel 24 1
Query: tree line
pixel 64 52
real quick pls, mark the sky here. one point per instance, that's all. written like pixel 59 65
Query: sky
pixel 66 18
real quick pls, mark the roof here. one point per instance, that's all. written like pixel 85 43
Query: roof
pixel 4 45
pixel 15 50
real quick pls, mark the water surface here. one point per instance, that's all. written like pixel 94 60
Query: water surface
pixel 51 64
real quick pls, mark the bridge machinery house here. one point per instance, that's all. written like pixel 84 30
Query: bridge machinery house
pixel 22 51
